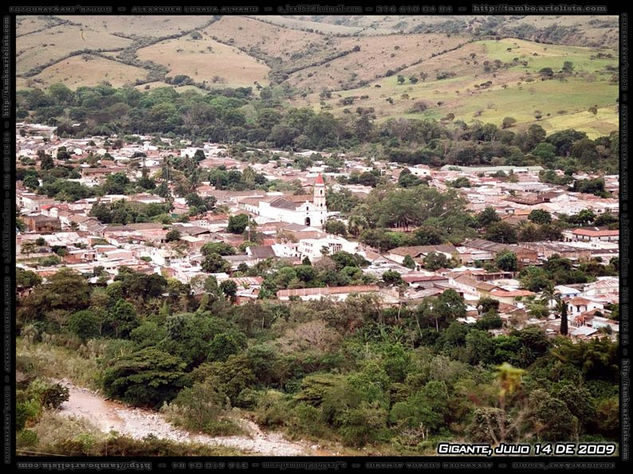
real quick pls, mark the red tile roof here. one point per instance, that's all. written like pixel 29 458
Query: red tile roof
pixel 596 233
pixel 332 290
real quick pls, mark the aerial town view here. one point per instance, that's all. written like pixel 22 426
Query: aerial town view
pixel 316 235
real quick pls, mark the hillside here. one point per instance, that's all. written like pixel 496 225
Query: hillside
pixel 490 80
pixel 475 67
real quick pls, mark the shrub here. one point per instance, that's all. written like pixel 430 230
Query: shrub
pixel 202 407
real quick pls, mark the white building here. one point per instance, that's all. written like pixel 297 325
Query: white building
pixel 311 214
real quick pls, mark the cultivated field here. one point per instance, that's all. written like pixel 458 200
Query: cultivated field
pixel 375 57
pixel 86 70
pixel 44 48
pixel 206 61
pixel 150 26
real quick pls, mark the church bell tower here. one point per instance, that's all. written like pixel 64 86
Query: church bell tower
pixel 319 194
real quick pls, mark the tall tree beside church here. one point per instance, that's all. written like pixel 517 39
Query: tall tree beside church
pixel 563 320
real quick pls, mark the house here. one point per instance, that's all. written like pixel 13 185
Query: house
pixel 509 296
pixel 594 234
pixel 424 280
pixel 420 251
pixel 260 252
pixel 466 284
pixel 603 286
pixel 339 293
pixel 545 250
pixel 42 224
pixel 578 305
pixel 525 255
pixel 567 291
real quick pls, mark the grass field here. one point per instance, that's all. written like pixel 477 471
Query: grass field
pixel 204 59
pixel 86 70
pixel 150 26
pixel 289 48
pixel 516 91
pixel 28 24
pixel 297 23
pixel 37 49
pixel 376 56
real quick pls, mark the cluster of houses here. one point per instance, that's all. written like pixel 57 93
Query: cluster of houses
pixel 291 226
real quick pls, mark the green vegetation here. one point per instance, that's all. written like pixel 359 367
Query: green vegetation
pixel 237 115
pixel 398 379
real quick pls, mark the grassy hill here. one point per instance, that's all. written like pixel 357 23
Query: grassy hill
pixel 516 88
pixel 468 68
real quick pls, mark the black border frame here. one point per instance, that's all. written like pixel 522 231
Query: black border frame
pixel 8 92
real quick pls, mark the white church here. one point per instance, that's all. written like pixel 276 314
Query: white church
pixel 294 209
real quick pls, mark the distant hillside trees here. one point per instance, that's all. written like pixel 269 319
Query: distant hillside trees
pixel 239 116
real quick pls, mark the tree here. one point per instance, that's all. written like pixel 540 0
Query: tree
pixel 535 279
pixel 220 248
pixel 66 291
pixel 508 122
pixel 507 261
pixel 501 232
pixel 584 217
pixel 31 182
pixel 61 93
pixel 436 260
pixel 173 235
pixel 487 217
pixel 62 153
pixel 551 418
pixel 224 345
pixel 408 179
pixel 563 319
pixel 86 324
pixel 229 288
pixel 540 216
pixel 486 304
pixel 147 377
pixel 479 347
pixel 46 161
pixel 392 277
pixel 116 183
pixel 27 278
pixel 428 408
pixel 336 227
pixel 214 263
pixel 443 309
pixel 122 319
pixel 238 223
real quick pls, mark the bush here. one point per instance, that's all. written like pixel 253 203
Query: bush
pixel 202 408
pixel 26 438
pixel 85 324
pixel 47 394
pixel 147 377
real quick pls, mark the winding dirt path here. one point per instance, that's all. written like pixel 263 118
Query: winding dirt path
pixel 137 423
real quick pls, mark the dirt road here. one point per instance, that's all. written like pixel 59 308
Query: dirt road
pixel 137 423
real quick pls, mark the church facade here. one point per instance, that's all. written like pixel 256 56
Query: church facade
pixel 286 209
